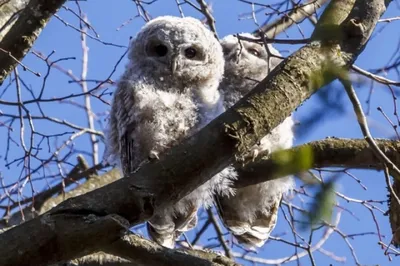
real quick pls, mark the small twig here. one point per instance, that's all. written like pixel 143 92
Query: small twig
pixel 375 77
pixel 390 121
pixel 310 255
pixel 88 105
pixel 210 19
pixel 200 232
pixel 387 20
pixel 219 233
pixel 87 34
pixel 392 194
pixel 396 252
pixel 178 4
pixel 296 15
pixel 269 40
pixel 24 67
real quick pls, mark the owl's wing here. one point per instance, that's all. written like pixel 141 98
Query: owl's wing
pixel 127 150
pixel 122 125
pixel 250 223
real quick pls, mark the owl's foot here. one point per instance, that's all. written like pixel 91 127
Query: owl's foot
pixel 255 152
pixel 153 156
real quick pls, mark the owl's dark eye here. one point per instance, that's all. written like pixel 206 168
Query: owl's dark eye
pixel 254 52
pixel 160 50
pixel 190 52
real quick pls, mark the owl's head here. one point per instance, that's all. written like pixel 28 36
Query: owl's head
pixel 247 59
pixel 178 49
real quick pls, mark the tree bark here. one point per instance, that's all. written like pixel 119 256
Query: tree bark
pixel 88 223
pixel 331 152
pixel 9 11
pixel 145 252
pixel 18 38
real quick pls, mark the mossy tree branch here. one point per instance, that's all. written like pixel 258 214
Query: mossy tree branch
pixel 17 39
pixel 132 200
pixel 331 152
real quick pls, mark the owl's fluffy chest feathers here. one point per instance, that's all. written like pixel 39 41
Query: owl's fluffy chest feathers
pixel 163 119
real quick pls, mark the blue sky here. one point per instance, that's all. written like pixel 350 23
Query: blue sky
pixel 107 17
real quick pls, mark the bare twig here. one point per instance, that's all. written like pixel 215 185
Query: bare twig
pixel 205 9
pixel 295 16
pixel 364 127
pixel 375 77
pixel 88 107
pixel 219 233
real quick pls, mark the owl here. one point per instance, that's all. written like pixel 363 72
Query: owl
pixel 251 214
pixel 169 91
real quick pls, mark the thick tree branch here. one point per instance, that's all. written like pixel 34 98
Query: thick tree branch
pixel 75 235
pixel 136 250
pixel 227 138
pixel 331 152
pixel 9 11
pixel 96 259
pixel 145 252
pixel 20 37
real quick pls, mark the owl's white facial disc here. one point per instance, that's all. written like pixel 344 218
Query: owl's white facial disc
pixel 247 57
pixel 178 48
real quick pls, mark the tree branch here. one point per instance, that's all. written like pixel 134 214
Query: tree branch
pixel 20 37
pixel 295 16
pixel 135 250
pixel 229 137
pixel 205 9
pixel 331 152
pixel 145 252
pixel 9 11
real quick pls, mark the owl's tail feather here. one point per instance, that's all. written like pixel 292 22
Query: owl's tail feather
pixel 252 235
pixel 255 233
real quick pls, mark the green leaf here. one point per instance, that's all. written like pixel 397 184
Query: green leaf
pixel 293 161
pixel 322 206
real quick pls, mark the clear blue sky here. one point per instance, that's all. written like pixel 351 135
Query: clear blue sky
pixel 107 16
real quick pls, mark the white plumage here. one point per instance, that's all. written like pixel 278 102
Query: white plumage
pixel 169 91
pixel 251 214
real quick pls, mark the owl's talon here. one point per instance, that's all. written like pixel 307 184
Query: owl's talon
pixel 153 156
pixel 254 154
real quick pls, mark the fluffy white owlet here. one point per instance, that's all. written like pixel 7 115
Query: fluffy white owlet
pixel 169 91
pixel 251 214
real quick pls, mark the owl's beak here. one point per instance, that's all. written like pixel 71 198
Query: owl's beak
pixel 234 56
pixel 174 64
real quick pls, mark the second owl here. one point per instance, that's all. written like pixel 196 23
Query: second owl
pixel 251 214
